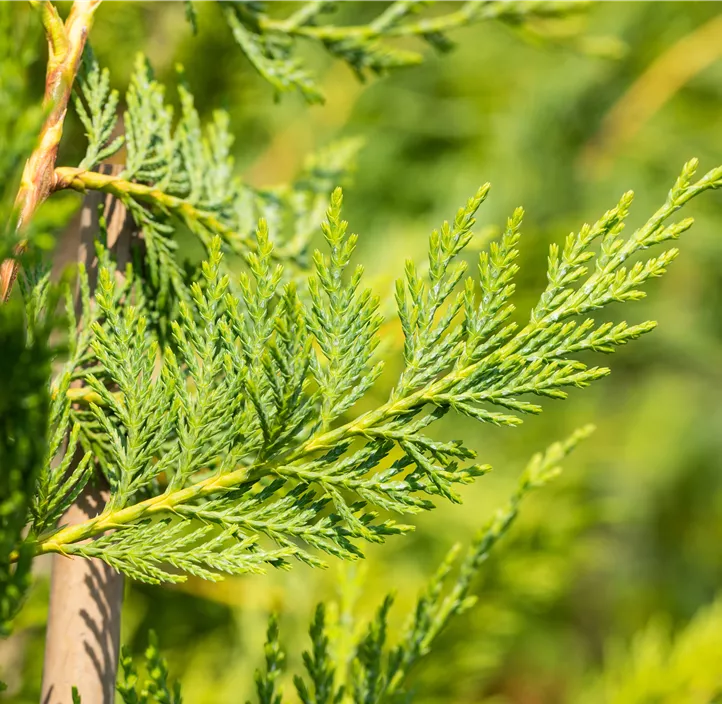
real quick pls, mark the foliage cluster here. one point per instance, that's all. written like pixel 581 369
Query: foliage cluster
pixel 223 408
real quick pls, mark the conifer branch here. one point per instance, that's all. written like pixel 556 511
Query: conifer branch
pixel 268 42
pixel 154 688
pixel 179 172
pixel 399 19
pixel 82 180
pixel 253 449
pixel 221 411
pixel 375 670
pixel 434 609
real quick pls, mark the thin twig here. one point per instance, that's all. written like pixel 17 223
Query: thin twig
pixel 82 180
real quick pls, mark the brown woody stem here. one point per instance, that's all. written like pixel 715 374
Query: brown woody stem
pixel 66 42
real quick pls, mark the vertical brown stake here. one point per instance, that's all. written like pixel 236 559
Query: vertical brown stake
pixel 83 636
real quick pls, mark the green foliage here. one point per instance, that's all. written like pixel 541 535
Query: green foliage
pixel 235 436
pixel 58 482
pixel 344 322
pixel 659 666
pixel 231 440
pixel 269 42
pixel 24 374
pixel 319 664
pixel 275 658
pixel 25 354
pixel 180 173
pixel 99 117
pixel 154 687
pixel 377 671
pixel 433 611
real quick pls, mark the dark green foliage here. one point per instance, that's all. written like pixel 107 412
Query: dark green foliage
pixel 24 402
pixel 270 55
pixel 25 355
pixel 319 665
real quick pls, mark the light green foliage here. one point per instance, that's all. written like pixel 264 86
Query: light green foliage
pixel 237 437
pixel 99 117
pixel 434 609
pixel 154 687
pixel 153 690
pixel 75 444
pixel 293 211
pixel 376 670
pixel 343 321
pixel 222 408
pixel 666 668
pixel 269 42
pixel 266 681
pixel 58 484
pixel 180 173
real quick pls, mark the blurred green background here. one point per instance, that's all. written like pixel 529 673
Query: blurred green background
pixel 632 530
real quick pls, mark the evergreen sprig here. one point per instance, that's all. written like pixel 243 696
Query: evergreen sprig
pixel 267 688
pixel 377 671
pixel 179 173
pixel 154 687
pixel 96 104
pixel 343 321
pixel 435 606
pixel 220 409
pixel 269 42
pixel 232 438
